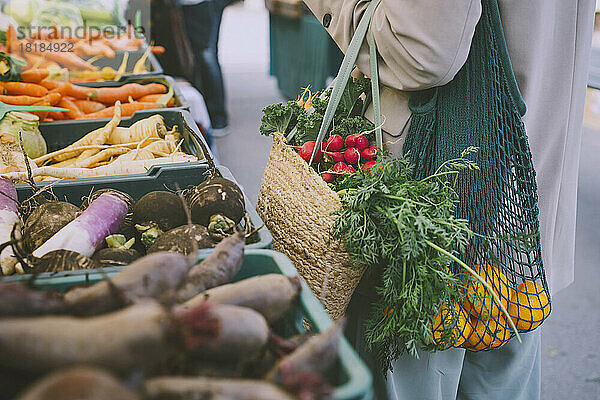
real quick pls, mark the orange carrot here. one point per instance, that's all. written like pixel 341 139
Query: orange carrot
pixel 23 88
pixel 154 98
pixel 74 111
pixel 53 97
pixel 51 85
pixel 157 50
pixel 41 114
pixel 134 90
pixel 68 60
pixel 11 40
pixel 89 106
pixel 57 115
pixel 19 100
pixel 75 91
pixel 127 109
pixel 34 75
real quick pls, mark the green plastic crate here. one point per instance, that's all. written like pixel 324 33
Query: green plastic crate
pixel 163 177
pixel 354 381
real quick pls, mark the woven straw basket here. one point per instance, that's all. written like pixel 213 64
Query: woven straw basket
pixel 296 205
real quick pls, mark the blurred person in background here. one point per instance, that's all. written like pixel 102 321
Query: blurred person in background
pixel 202 20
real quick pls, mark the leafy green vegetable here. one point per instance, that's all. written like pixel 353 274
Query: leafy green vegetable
pixel 279 117
pixel 320 104
pixel 347 119
pixel 387 222
pixel 351 125
pixel 308 127
pixel 351 102
pixel 10 67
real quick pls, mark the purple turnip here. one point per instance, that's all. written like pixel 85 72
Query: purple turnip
pixel 86 233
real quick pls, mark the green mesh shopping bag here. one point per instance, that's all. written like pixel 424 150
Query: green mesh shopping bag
pixel 482 107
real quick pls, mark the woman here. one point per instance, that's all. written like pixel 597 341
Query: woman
pixel 423 44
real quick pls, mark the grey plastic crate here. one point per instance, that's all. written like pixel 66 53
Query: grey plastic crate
pixel 163 177
pixel 152 65
pixel 180 102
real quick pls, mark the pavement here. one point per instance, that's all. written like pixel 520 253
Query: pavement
pixel 570 357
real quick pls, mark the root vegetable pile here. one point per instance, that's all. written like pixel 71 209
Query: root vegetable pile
pixel 94 339
pixel 110 229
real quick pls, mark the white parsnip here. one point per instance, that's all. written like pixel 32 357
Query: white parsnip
pixel 99 136
pixel 114 168
pixel 153 126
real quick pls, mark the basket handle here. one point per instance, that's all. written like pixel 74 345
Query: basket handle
pixel 344 74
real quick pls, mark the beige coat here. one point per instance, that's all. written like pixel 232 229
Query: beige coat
pixel 423 43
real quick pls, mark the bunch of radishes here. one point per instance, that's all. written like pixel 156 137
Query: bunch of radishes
pixel 338 156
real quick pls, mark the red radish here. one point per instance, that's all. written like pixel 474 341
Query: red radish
pixel 307 149
pixel 339 167
pixel 327 176
pixel 352 155
pixel 349 169
pixel 351 140
pixel 362 143
pixel 369 153
pixel 336 156
pixel 367 166
pixel 334 143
